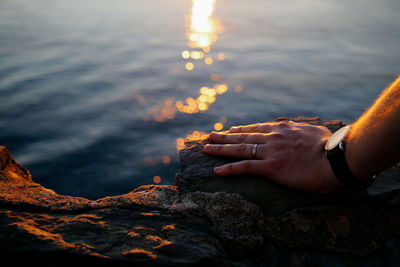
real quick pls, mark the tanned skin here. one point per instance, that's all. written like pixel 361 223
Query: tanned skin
pixel 292 153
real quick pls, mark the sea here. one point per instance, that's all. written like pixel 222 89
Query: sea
pixel 96 97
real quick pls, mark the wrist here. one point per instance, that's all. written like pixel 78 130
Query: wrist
pixel 354 162
pixel 330 177
pixel 355 155
pixel 337 153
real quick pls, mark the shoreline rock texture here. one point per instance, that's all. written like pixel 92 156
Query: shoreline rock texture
pixel 202 219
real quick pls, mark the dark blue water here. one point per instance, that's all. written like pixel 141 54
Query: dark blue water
pixel 83 84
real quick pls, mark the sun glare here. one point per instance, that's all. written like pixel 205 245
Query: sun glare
pixel 202 30
pixel 204 27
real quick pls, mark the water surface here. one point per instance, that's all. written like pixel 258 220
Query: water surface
pixel 96 95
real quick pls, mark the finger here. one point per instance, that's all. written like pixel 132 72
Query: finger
pixel 248 138
pixel 252 128
pixel 241 167
pixel 263 127
pixel 243 151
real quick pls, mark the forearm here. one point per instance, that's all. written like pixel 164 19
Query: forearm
pixel 374 140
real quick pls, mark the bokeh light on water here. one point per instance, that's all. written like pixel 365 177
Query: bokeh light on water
pixel 97 96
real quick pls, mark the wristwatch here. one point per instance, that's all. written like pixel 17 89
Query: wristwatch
pixel 334 151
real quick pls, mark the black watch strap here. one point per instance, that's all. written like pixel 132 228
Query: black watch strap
pixel 342 171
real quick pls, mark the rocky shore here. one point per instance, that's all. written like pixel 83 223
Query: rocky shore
pixel 202 219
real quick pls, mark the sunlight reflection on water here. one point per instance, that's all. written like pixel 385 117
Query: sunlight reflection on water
pixel 202 31
pixel 96 100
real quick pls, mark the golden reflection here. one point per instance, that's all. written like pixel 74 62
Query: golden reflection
pixel 218 126
pixel 138 251
pixel 203 27
pixel 207 95
pixel 196 54
pixel 206 49
pixel 221 88
pixel 208 60
pixel 180 143
pixel 185 54
pixel 157 179
pixel 221 56
pixel 202 31
pixel 189 66
pixel 195 135
pixel 238 88
pixel 168 227
pixel 158 241
pixel 166 159
pixel 145 228
pixel 155 160
pixel 133 234
pixel 152 213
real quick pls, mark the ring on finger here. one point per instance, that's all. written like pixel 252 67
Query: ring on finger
pixel 254 151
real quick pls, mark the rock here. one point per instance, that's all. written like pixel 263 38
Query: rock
pixel 333 222
pixel 51 229
pixel 196 174
pixel 237 221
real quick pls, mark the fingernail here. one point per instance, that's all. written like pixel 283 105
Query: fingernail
pixel 234 128
pixel 213 135
pixel 206 147
pixel 217 169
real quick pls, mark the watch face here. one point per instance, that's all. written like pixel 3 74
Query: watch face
pixel 337 137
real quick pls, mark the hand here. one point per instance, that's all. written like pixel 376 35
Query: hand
pixel 288 153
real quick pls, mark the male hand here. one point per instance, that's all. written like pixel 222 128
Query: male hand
pixel 288 153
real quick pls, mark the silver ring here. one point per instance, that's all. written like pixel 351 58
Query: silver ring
pixel 254 152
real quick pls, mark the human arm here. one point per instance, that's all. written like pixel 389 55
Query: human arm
pixel 292 153
pixel 373 143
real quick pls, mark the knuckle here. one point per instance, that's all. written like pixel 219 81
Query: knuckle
pixel 278 146
pixel 236 129
pixel 276 136
pixel 293 133
pixel 242 148
pixel 243 137
pixel 283 124
pixel 254 127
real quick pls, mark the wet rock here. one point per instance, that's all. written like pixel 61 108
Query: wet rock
pixel 203 219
